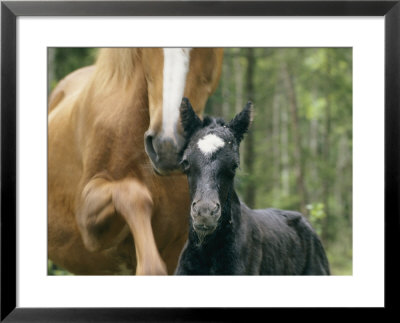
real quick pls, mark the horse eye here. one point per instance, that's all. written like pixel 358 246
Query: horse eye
pixel 184 165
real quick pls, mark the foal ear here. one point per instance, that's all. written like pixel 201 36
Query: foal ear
pixel 241 122
pixel 190 121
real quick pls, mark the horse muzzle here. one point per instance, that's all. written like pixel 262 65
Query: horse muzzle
pixel 163 153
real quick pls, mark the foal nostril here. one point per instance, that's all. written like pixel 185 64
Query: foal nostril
pixel 201 208
pixel 215 209
pixel 194 209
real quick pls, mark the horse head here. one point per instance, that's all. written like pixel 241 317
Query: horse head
pixel 172 73
pixel 210 161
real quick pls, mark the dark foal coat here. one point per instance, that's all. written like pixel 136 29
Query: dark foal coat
pixel 225 236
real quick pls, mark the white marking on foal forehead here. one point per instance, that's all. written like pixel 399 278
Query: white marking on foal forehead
pixel 210 143
pixel 176 67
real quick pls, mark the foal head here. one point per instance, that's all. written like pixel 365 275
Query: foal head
pixel 210 161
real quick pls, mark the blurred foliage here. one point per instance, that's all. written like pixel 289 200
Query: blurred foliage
pixel 301 137
pixel 63 61
pixel 316 216
pixel 53 269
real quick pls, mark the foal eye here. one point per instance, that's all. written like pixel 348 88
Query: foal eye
pixel 234 167
pixel 231 170
pixel 184 165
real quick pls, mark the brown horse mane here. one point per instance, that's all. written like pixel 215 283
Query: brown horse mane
pixel 115 66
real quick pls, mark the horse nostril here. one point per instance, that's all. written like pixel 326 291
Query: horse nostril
pixel 148 143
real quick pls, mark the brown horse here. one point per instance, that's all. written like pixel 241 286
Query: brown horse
pixel 113 129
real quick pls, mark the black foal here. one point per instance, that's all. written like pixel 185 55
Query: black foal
pixel 225 236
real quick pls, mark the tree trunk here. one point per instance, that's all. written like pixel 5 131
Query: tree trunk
pixel 315 193
pixel 225 85
pixel 284 141
pixel 328 227
pixel 249 141
pixel 238 72
pixel 51 53
pixel 298 160
pixel 276 151
pixel 285 175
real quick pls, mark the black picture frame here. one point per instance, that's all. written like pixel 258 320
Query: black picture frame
pixel 10 10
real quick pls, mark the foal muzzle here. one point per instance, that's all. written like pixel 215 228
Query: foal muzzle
pixel 205 215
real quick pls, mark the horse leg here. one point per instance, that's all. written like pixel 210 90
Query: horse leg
pixel 98 220
pixel 134 201
pixel 107 206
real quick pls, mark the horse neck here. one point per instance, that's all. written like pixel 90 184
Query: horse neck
pixel 113 111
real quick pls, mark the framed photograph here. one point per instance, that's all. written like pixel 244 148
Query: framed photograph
pixel 324 80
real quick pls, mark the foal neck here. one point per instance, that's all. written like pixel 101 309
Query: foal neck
pixel 232 214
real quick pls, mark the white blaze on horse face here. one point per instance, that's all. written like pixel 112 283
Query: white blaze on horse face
pixel 176 67
pixel 209 144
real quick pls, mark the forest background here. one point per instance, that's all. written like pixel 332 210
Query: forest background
pixel 298 152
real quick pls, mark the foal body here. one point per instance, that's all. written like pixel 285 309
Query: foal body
pixel 225 236
pixel 256 242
